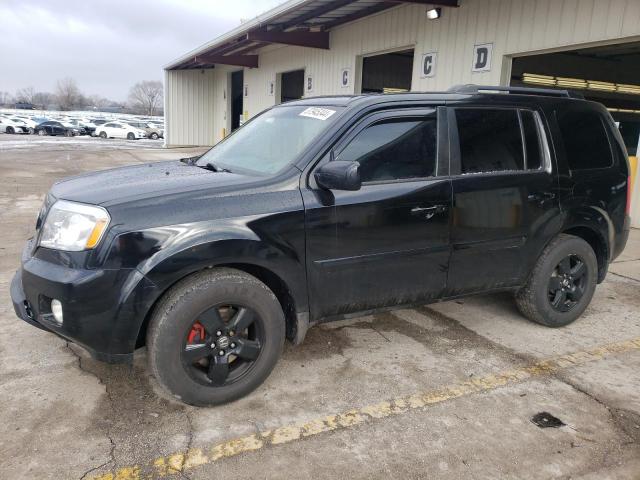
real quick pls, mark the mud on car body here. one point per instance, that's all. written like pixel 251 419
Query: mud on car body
pixel 327 207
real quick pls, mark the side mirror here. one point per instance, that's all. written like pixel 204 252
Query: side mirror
pixel 339 175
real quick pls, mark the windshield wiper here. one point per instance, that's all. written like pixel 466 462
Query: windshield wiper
pixel 214 168
pixel 190 160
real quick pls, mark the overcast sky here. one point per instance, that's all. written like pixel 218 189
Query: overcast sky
pixel 107 46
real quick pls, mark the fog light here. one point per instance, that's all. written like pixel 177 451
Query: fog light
pixel 56 310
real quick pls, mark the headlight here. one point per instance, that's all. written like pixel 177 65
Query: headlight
pixel 73 226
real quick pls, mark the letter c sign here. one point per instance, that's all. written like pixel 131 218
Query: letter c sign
pixel 429 65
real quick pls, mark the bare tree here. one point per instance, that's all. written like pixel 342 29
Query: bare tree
pixel 25 95
pixel 6 98
pixel 67 93
pixel 146 96
pixel 98 101
pixel 43 99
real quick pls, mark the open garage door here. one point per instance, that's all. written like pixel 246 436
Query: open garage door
pixel 388 72
pixel 608 74
pixel 291 85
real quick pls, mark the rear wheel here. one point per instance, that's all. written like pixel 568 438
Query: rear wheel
pixel 103 135
pixel 30 131
pixel 68 133
pixel 562 283
pixel 215 337
pixel 154 136
pixel 10 130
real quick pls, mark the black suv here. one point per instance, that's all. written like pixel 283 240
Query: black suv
pixel 326 207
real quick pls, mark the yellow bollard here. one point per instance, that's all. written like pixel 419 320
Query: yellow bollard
pixel 633 173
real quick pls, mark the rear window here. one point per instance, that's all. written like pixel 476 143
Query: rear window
pixel 585 140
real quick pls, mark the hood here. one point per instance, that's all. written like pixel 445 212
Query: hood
pixel 120 185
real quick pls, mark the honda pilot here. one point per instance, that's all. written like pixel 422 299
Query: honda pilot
pixel 323 208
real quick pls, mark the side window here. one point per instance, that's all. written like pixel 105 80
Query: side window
pixel 490 140
pixel 395 149
pixel 532 140
pixel 585 140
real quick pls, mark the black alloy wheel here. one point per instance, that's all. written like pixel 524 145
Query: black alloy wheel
pixel 222 345
pixel 567 283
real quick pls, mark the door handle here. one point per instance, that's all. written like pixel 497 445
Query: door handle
pixel 541 197
pixel 428 212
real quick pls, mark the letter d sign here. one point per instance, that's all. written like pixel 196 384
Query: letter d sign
pixel 482 57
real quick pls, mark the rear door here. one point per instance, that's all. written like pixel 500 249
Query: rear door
pixel 505 196
pixel 387 243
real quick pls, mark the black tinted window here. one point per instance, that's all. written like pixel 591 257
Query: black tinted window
pixel 532 142
pixel 490 140
pixel 395 149
pixel 585 140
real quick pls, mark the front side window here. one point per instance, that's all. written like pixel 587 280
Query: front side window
pixel 395 149
pixel 585 140
pixel 490 140
pixel 271 141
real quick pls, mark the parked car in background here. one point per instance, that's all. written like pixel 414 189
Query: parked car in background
pixel 53 127
pixel 152 131
pixel 98 121
pixel 120 130
pixel 10 125
pixel 30 123
pixel 85 126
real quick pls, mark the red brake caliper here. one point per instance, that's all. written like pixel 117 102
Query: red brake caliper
pixel 196 334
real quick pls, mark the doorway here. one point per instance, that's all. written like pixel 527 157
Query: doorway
pixel 388 72
pixel 291 85
pixel 237 81
pixel 609 74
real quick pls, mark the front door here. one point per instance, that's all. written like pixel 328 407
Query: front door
pixel 504 196
pixel 387 243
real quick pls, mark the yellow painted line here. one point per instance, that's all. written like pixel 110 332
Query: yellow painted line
pixel 195 457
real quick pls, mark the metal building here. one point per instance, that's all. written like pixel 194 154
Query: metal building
pixel 329 47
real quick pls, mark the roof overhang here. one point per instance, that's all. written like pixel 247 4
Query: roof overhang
pixel 303 23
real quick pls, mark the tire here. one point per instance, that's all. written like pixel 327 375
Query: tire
pixel 30 131
pixel 10 130
pixel 153 136
pixel 68 133
pixel 131 136
pixel 561 284
pixel 42 132
pixel 103 135
pixel 169 336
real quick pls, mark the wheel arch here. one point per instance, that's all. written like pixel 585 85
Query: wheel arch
pixel 271 279
pixel 597 242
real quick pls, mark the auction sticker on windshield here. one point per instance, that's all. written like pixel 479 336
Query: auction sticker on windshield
pixel 317 113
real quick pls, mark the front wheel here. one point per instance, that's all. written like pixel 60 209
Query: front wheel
pixel 30 131
pixel 562 283
pixel 103 135
pixel 131 136
pixel 42 132
pixel 10 130
pixel 154 136
pixel 215 337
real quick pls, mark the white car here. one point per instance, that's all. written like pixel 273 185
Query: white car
pixel 31 124
pixel 9 125
pixel 119 130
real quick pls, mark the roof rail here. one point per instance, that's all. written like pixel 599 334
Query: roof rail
pixel 472 88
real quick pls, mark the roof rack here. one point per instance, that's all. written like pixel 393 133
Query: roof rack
pixel 472 88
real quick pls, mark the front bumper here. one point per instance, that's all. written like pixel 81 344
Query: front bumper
pixel 103 309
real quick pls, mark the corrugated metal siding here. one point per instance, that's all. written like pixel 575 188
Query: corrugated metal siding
pixel 196 109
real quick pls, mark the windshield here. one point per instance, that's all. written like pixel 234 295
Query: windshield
pixel 271 141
